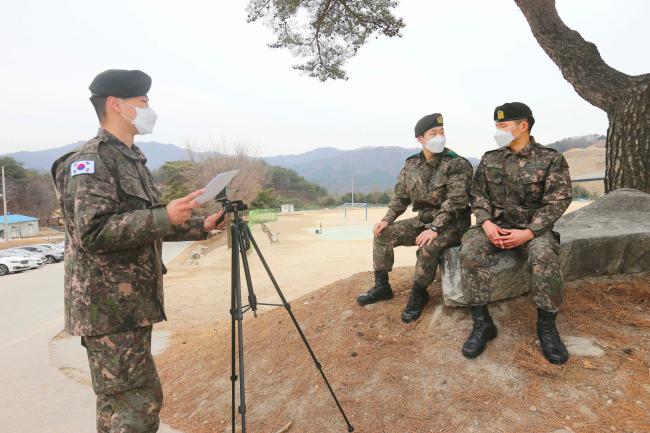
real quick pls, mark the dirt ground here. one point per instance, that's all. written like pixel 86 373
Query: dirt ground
pixel 389 376
pixel 301 262
pixel 392 377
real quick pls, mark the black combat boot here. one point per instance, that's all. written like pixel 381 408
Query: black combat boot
pixel 418 299
pixel 381 291
pixel 552 347
pixel 483 331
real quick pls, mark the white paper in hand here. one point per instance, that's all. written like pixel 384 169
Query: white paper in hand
pixel 216 185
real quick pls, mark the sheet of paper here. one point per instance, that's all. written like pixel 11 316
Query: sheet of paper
pixel 216 185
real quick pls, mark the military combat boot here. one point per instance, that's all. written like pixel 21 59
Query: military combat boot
pixel 418 299
pixel 552 347
pixel 381 291
pixel 483 331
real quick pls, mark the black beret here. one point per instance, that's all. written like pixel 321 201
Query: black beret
pixel 121 83
pixel 512 111
pixel 427 122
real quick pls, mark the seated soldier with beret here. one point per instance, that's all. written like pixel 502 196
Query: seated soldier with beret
pixel 518 192
pixel 436 181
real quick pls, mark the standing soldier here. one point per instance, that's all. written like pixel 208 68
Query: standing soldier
pixel 114 227
pixel 518 192
pixel 436 181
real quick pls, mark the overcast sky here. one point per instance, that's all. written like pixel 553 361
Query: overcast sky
pixel 215 79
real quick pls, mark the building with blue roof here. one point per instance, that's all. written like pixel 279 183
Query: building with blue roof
pixel 20 226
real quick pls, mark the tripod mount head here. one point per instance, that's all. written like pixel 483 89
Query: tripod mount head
pixel 232 205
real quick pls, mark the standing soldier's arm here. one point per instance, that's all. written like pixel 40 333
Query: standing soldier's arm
pixel 93 202
pixel 190 230
pixel 479 198
pixel 557 196
pixel 457 196
pixel 400 201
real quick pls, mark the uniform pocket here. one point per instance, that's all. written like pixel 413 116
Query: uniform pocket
pixel 438 191
pixel 133 186
pixel 531 188
pixel 495 184
pixel 121 361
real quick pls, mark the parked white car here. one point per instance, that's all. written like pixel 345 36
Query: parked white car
pixel 55 247
pixel 51 255
pixel 36 260
pixel 10 264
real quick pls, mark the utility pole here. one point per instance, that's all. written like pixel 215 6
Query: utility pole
pixel 4 204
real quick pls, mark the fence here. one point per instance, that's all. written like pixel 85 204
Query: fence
pixel 258 216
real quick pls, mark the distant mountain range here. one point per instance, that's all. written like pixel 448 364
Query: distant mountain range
pixel 370 168
pixel 157 154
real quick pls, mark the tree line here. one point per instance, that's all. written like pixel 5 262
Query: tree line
pixel 29 192
pixel 271 186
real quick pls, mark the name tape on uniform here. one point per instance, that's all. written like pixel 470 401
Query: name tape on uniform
pixel 82 167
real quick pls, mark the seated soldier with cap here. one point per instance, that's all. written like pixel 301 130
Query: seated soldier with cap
pixel 436 181
pixel 518 192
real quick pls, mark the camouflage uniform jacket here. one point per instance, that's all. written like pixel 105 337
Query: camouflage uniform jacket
pixel 438 190
pixel 530 189
pixel 114 227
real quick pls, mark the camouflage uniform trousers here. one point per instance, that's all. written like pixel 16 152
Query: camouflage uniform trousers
pixel 404 233
pixel 129 394
pixel 542 253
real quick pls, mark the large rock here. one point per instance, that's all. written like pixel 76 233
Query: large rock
pixel 609 236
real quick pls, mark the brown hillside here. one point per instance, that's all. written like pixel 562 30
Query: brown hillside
pixel 401 378
pixel 586 162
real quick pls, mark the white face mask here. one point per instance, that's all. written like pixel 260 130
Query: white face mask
pixel 145 119
pixel 503 138
pixel 435 144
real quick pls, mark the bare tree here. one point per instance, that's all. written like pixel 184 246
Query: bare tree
pixel 336 29
pixel 225 157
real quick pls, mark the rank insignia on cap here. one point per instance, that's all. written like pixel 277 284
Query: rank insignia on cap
pixel 439 119
pixel 82 167
pixel 500 115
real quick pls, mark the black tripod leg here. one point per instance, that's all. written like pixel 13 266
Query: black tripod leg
pixel 295 323
pixel 238 316
pixel 252 299
pixel 233 313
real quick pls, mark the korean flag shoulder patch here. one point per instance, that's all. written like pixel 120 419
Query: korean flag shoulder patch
pixel 82 167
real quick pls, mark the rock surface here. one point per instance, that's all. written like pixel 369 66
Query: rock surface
pixel 582 346
pixel 609 236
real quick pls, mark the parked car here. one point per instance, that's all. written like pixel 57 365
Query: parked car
pixel 12 264
pixel 51 256
pixel 36 260
pixel 49 247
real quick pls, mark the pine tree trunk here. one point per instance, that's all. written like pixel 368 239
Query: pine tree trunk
pixel 628 142
pixel 625 98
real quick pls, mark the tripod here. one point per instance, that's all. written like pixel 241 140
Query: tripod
pixel 242 239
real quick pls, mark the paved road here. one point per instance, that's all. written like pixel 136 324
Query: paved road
pixel 35 396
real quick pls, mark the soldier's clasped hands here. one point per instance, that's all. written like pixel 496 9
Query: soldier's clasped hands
pixel 515 238
pixel 506 239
